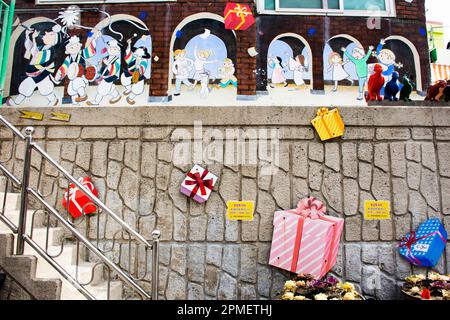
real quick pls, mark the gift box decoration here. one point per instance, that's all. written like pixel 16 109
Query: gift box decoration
pixel 79 202
pixel 238 16
pixel 328 124
pixel 305 240
pixel 198 184
pixel 425 246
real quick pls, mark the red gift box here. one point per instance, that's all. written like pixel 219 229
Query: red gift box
pixel 79 202
pixel 238 16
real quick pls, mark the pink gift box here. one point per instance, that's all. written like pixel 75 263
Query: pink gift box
pixel 305 240
pixel 198 184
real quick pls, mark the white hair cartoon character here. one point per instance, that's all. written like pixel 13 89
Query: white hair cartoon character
pixel 138 62
pixel 40 66
pixel 109 72
pixel 74 66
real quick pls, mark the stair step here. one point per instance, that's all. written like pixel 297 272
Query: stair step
pixel 13 216
pixel 12 201
pixel 100 291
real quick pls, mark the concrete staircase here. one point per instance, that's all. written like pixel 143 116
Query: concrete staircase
pixel 37 270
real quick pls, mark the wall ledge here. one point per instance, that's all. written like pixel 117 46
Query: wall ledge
pixel 381 116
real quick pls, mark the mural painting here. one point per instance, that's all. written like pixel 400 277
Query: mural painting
pixel 111 64
pixel 207 58
pixel 203 62
pixel 288 63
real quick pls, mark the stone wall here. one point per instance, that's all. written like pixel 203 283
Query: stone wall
pixel 397 154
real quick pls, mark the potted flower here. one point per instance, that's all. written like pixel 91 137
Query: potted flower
pixel 305 287
pixel 435 286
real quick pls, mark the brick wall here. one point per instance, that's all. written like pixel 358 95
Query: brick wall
pixel 163 17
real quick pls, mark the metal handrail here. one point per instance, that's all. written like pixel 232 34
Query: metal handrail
pixel 122 223
pixel 22 237
pixel 90 246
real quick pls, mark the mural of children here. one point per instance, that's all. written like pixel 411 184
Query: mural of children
pixel 74 66
pixel 227 74
pixel 298 66
pixel 181 68
pixel 387 59
pixel 278 71
pixel 109 72
pixel 40 67
pixel 360 58
pixel 337 70
pixel 133 78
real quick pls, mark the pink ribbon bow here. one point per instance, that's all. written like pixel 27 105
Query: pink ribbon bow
pixel 311 208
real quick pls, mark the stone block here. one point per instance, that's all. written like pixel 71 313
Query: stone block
pixel 98 133
pixel 230 261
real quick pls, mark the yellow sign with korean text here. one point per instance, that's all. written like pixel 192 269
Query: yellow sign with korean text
pixel 240 210
pixel 377 210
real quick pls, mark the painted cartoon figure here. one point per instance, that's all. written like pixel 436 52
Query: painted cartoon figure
pixel 109 72
pixel 337 70
pixel 201 60
pixel 74 67
pixel 298 66
pixel 278 71
pixel 227 74
pixel 182 68
pixel 387 59
pixel 133 78
pixel 40 66
pixel 359 58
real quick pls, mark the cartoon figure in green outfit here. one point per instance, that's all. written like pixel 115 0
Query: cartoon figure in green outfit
pixel 360 58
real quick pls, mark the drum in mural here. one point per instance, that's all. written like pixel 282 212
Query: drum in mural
pixel 74 71
pixel 91 73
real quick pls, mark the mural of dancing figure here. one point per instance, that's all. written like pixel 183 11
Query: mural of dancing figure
pixel 138 64
pixel 109 72
pixel 74 66
pixel 299 68
pixel 278 71
pixel 359 58
pixel 387 59
pixel 40 66
pixel 182 68
pixel 337 70
pixel 201 60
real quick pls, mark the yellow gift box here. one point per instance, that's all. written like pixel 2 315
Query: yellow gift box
pixel 328 124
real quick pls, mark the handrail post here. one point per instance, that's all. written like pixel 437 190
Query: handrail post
pixel 155 264
pixel 24 191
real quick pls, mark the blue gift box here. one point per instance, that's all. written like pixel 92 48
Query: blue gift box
pixel 425 246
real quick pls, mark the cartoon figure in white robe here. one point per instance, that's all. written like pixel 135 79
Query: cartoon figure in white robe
pixel 109 72
pixel 133 78
pixel 337 70
pixel 40 67
pixel 201 74
pixel 74 67
pixel 181 68
pixel 298 66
